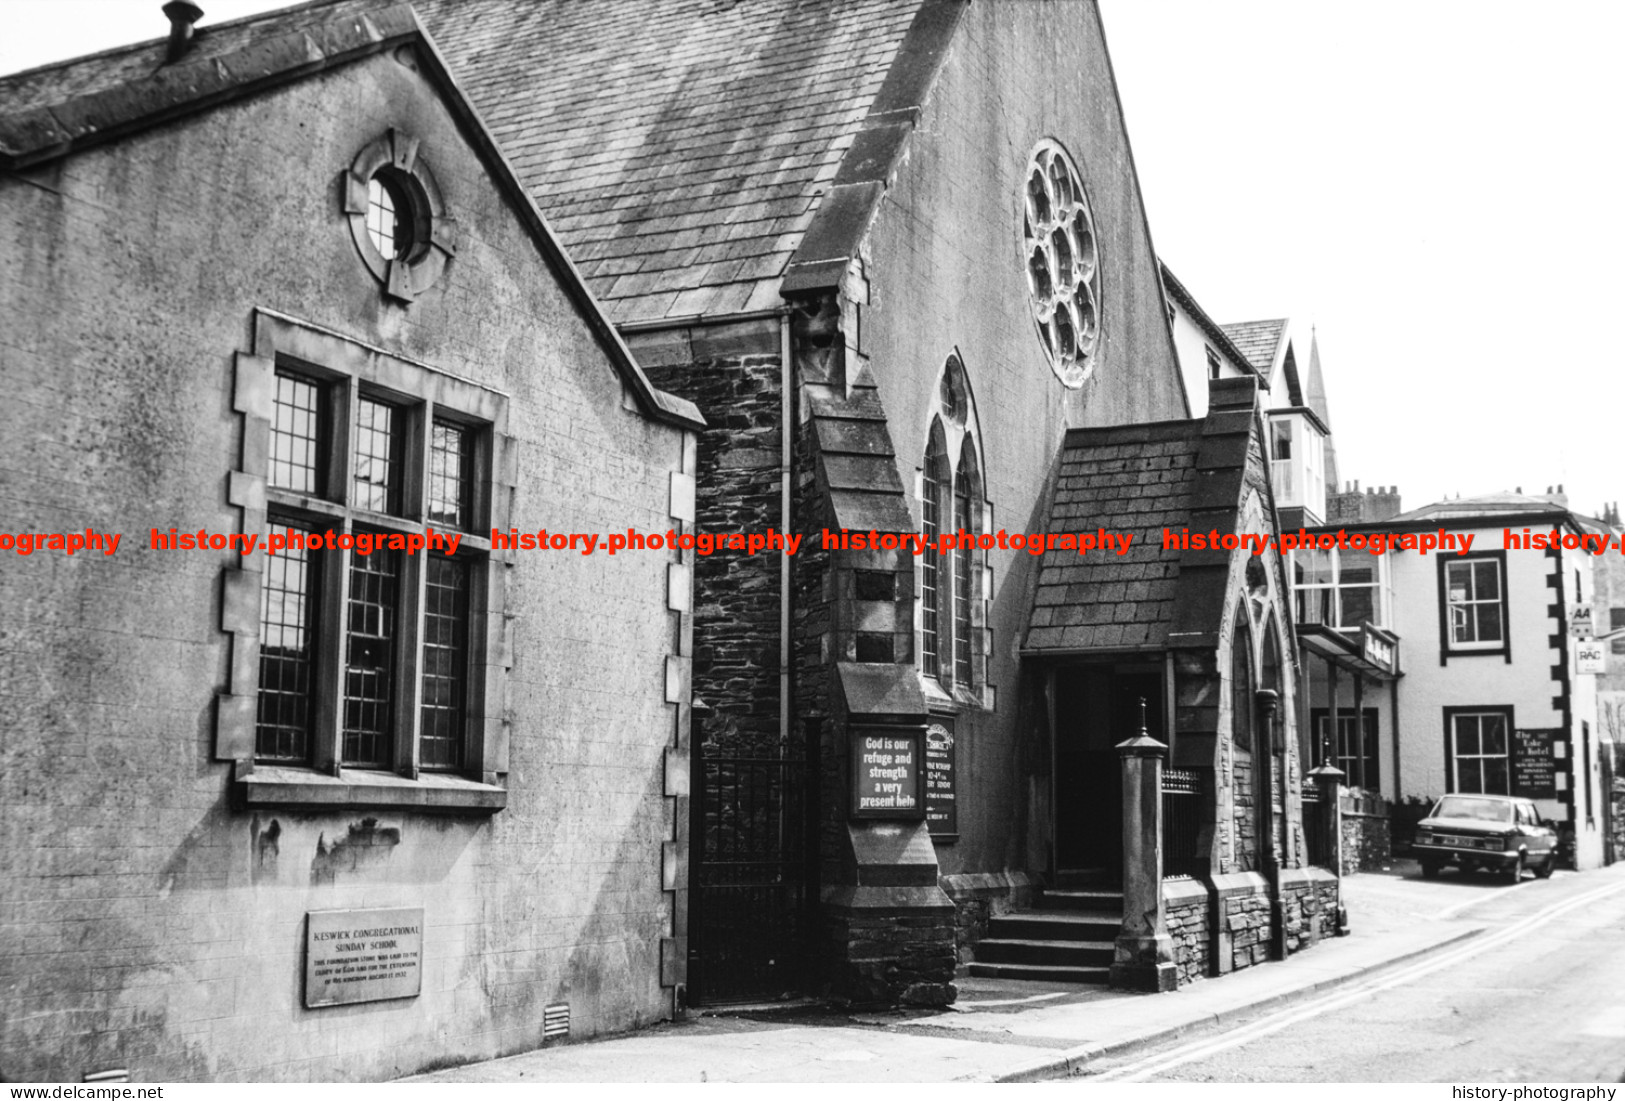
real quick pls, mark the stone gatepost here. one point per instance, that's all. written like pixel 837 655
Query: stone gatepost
pixel 1145 953
pixel 1329 778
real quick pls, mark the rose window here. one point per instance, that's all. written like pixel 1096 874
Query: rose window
pixel 1058 238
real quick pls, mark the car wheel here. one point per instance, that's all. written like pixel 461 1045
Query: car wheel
pixel 1546 869
pixel 1430 869
pixel 1515 873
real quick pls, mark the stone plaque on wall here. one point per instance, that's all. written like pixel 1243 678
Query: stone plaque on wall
pixel 362 955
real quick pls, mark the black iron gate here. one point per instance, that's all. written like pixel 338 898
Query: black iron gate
pixel 751 897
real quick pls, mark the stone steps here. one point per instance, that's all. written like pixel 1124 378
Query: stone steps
pixel 1068 953
pixel 1070 936
pixel 1044 973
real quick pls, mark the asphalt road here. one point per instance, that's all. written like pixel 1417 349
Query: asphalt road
pixel 1538 996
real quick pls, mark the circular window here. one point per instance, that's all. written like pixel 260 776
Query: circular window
pixel 1063 279
pixel 397 219
pixel 391 216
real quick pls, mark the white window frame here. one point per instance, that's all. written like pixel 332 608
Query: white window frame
pixel 1451 605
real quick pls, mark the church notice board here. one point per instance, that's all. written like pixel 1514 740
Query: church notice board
pixel 941 808
pixel 1534 763
pixel 888 780
pixel 362 956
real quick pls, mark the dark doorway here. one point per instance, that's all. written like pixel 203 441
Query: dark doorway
pixel 1096 707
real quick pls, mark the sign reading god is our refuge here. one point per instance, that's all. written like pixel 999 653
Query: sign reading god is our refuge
pixel 887 778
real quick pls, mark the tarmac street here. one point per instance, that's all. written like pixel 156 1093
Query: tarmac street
pixel 1539 996
pixel 1458 979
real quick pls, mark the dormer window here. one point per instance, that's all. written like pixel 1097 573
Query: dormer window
pixel 1298 462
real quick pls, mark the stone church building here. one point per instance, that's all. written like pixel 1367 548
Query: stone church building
pixel 872 273
pixel 896 254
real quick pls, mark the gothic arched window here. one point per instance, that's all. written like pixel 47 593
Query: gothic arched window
pixel 937 480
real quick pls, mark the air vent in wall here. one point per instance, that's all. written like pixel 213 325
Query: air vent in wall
pixel 555 1022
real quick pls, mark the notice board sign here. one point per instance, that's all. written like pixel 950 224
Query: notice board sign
pixel 887 778
pixel 1534 764
pixel 941 809
pixel 362 955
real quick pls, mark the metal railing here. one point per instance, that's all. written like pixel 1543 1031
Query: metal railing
pixel 1182 816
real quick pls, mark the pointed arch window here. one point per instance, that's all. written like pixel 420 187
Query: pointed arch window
pixel 967 491
pixel 1241 685
pixel 936 482
pixel 953 585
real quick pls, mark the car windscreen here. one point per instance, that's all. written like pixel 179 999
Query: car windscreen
pixel 1484 810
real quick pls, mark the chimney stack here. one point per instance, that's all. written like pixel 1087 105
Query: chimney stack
pixel 183 15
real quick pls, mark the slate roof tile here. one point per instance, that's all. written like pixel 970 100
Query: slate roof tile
pixel 1134 479
pixel 675 124
pixel 1257 340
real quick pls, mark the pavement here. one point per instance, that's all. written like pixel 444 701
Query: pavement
pixel 1010 1030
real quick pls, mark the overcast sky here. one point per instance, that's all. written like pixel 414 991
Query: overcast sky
pixel 1434 185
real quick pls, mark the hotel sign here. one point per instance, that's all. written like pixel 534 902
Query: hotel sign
pixel 1379 649
pixel 1534 763
pixel 362 956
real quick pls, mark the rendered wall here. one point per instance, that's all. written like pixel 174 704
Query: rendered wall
pixel 1535 683
pixel 143 923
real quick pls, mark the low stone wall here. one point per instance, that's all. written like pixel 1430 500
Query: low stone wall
pixel 1189 908
pixel 1309 899
pixel 1244 924
pixel 980 897
pixel 883 956
pixel 1367 840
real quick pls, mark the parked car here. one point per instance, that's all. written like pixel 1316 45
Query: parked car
pixel 1495 832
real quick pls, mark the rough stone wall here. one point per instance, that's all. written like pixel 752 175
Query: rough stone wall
pixel 890 959
pixel 1243 802
pixel 1190 929
pixel 1302 910
pixel 146 924
pixel 736 596
pixel 1325 910
pixel 1248 921
pixel 1367 843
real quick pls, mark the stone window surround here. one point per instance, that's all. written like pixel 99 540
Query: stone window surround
pixel 435 238
pixel 952 412
pixel 478 789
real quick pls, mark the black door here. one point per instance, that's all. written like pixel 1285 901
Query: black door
pixel 1096 707
pixel 751 895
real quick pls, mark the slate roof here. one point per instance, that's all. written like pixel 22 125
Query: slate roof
pixel 54 110
pixel 1257 340
pixel 1131 479
pixel 1486 505
pixel 679 148
pixel 100 72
